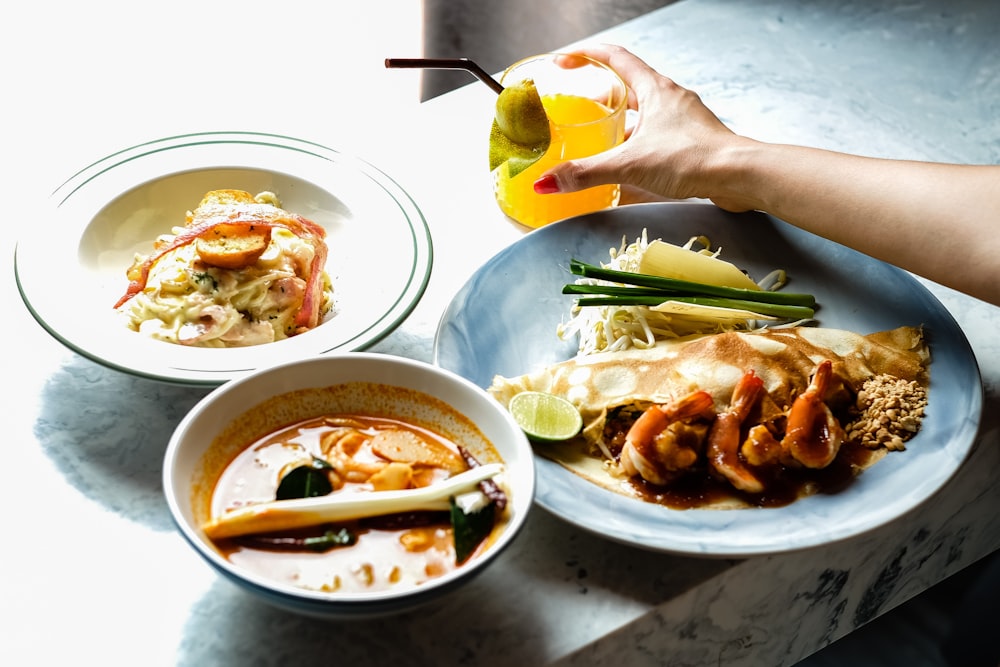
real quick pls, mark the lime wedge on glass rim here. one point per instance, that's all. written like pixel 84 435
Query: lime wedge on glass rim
pixel 545 417
pixel 520 134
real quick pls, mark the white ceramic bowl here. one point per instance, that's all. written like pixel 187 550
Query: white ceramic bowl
pixel 107 212
pixel 226 421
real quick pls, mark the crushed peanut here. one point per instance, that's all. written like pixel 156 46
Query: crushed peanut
pixel 891 410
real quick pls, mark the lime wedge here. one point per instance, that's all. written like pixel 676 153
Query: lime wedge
pixel 544 416
pixel 520 134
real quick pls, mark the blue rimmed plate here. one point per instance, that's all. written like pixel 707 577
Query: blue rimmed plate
pixel 503 321
pixel 71 269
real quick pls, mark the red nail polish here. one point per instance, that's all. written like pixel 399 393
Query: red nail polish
pixel 546 185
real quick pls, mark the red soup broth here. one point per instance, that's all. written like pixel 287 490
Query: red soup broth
pixel 385 556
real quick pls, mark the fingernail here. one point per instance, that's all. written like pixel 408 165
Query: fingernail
pixel 546 185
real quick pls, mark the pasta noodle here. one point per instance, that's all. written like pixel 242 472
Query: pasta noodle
pixel 241 271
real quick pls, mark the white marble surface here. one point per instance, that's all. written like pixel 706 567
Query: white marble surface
pixel 92 569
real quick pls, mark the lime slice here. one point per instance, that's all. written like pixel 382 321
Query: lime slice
pixel 520 134
pixel 544 416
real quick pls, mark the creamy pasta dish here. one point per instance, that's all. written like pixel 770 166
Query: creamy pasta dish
pixel 241 271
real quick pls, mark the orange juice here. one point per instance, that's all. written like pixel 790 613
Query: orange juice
pixel 580 127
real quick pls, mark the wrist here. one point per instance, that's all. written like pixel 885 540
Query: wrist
pixel 728 174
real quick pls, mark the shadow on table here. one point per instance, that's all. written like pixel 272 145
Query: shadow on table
pixel 513 613
pixel 107 433
pixel 228 627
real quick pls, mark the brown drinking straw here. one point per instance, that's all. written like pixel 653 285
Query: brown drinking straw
pixel 446 63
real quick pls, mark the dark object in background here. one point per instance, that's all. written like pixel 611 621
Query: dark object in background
pixel 496 34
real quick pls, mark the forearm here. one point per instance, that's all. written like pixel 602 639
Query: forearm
pixel 939 221
pixel 936 220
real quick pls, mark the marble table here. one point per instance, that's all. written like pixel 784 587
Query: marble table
pixel 92 568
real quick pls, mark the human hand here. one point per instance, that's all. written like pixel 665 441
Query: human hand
pixel 671 149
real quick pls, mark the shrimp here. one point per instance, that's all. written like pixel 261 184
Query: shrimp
pixel 762 448
pixel 341 446
pixel 724 438
pixel 813 435
pixel 640 454
pixel 213 320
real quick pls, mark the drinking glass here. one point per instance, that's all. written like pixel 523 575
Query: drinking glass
pixel 585 104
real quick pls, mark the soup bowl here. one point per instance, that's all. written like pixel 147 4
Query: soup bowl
pixel 243 413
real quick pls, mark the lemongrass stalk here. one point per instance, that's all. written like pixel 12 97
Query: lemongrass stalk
pixel 280 515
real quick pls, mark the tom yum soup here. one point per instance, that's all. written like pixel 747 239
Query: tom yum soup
pixel 357 502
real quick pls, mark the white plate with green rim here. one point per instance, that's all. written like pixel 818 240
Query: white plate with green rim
pixel 71 270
